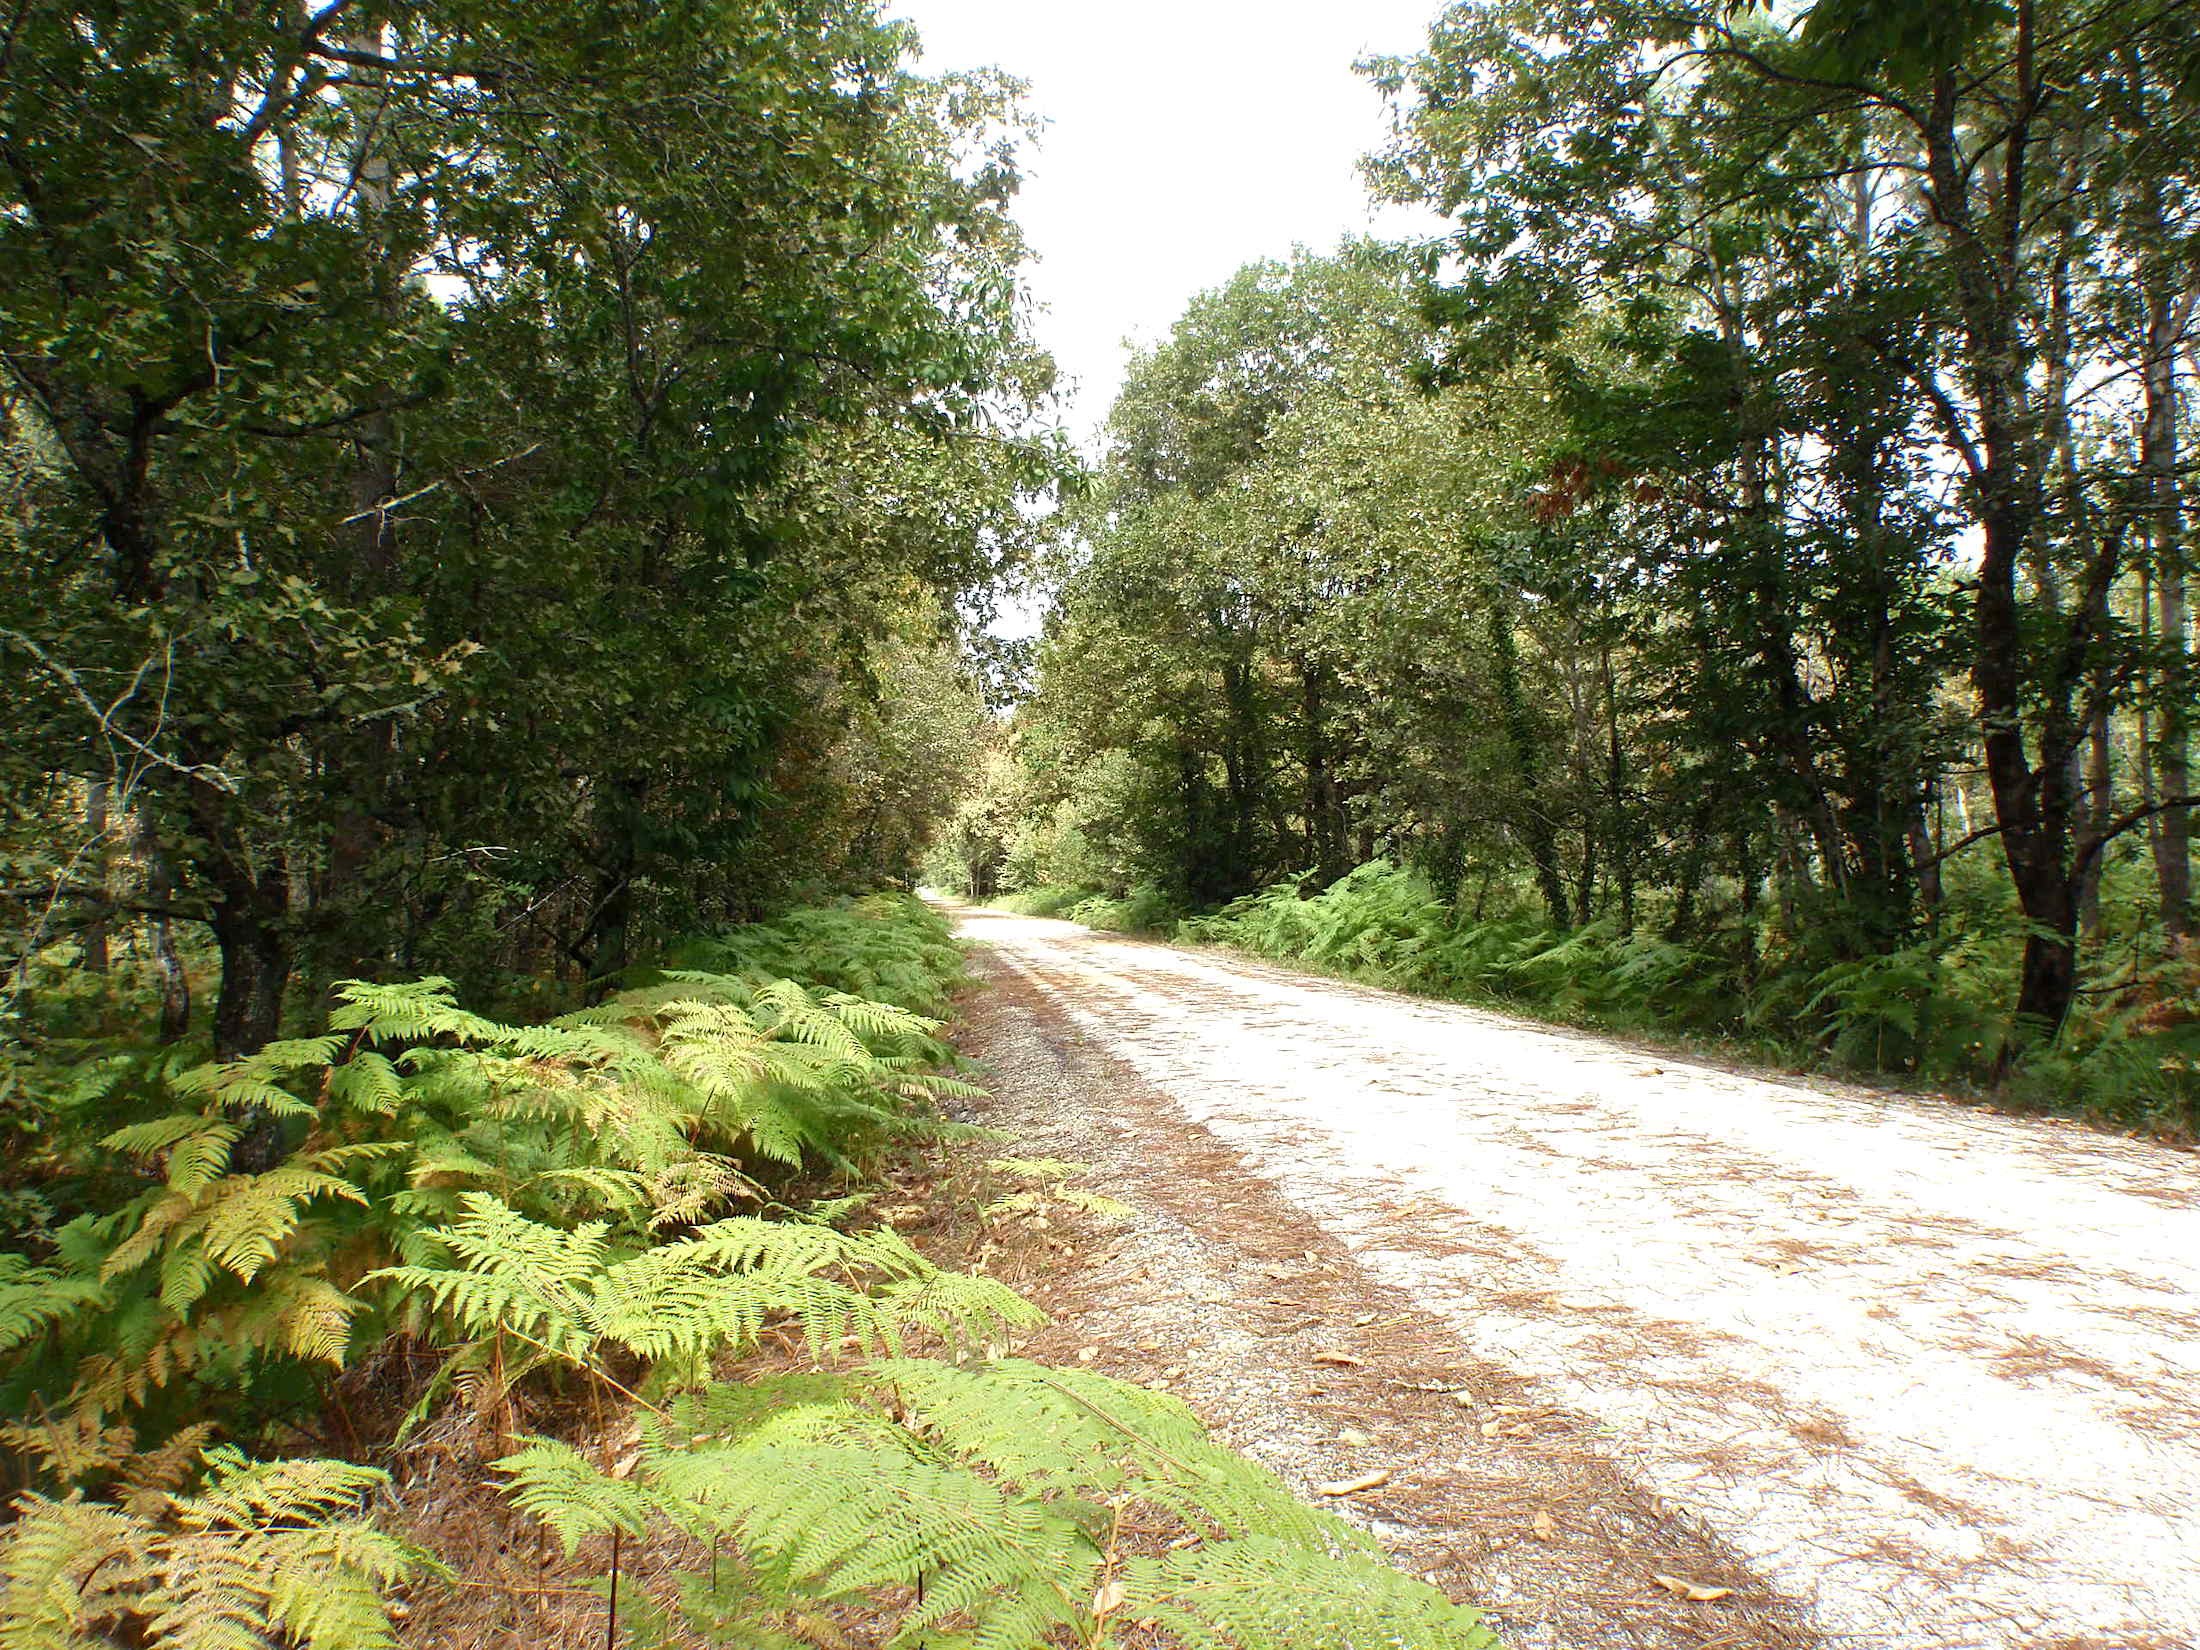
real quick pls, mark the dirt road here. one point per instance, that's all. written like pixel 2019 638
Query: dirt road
pixel 1930 1374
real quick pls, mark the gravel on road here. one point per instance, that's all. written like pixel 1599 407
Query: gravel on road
pixel 1901 1372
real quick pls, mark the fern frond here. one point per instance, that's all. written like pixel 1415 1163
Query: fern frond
pixel 74 1447
pixel 1072 1429
pixel 412 1011
pixel 35 1298
pixel 563 1490
pixel 267 1554
pixel 1261 1593
pixel 67 1565
pixel 250 1216
pixel 368 1082
pixel 832 1520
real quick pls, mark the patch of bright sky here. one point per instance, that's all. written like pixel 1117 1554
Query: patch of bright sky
pixel 1184 138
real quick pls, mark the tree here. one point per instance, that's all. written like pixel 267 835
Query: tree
pixel 452 448
pixel 1665 166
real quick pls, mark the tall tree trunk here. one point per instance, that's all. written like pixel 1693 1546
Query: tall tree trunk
pixel 250 921
pixel 1690 882
pixel 1533 823
pixel 255 957
pixel 1623 853
pixel 1924 850
pixel 250 917
pixel 95 828
pixel 2100 806
pixel 1981 214
pixel 175 983
pixel 360 761
pixel 2168 315
pixel 1241 767
pixel 1325 825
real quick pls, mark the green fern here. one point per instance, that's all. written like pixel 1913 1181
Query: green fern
pixel 35 1298
pixel 1260 1593
pixel 677 1306
pixel 644 1118
pixel 982 1506
pixel 265 1554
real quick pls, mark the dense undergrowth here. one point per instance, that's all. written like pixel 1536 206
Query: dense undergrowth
pixel 1930 1011
pixel 486 1226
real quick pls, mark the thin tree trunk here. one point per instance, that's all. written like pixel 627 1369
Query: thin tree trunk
pixel 1623 856
pixel 249 929
pixel 2100 808
pixel 175 983
pixel 2168 314
pixel 359 763
pixel 1534 824
pixel 95 828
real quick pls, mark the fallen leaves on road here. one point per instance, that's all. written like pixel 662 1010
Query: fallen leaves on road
pixel 1694 1591
pixel 1353 1486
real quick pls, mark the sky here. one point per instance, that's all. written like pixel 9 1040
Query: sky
pixel 1184 138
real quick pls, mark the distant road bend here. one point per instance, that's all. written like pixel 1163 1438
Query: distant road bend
pixel 1934 1372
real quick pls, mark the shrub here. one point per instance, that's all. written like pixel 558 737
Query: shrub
pixel 1144 910
pixel 556 1202
pixel 1044 901
pixel 985 1505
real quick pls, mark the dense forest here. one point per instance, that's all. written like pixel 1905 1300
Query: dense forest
pixel 454 483
pixel 1735 582
pixel 506 506
pixel 501 506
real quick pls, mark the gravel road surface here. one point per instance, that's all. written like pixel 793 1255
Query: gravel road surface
pixel 1931 1372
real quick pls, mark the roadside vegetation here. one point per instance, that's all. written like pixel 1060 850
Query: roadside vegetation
pixel 544 1251
pixel 1736 581
pixel 500 507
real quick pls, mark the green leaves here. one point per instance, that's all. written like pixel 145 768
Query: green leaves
pixel 265 1553
pixel 471 462
pixel 564 1183
pixel 1906 42
pixel 1004 1488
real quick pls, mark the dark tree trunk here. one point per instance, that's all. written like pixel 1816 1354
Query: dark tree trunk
pixel 175 984
pixel 1623 856
pixel 1690 882
pixel 2100 807
pixel 95 827
pixel 2032 805
pixel 249 931
pixel 2168 315
pixel 1533 823
pixel 255 959
pixel 605 948
pixel 1242 772
pixel 1325 823
pixel 361 758
pixel 1925 856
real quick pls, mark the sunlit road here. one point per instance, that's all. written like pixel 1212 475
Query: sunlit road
pixel 1935 1371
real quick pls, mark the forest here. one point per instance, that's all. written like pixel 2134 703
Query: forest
pixel 508 506
pixel 1734 584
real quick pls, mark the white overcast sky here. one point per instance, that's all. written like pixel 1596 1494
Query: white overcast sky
pixel 1184 138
